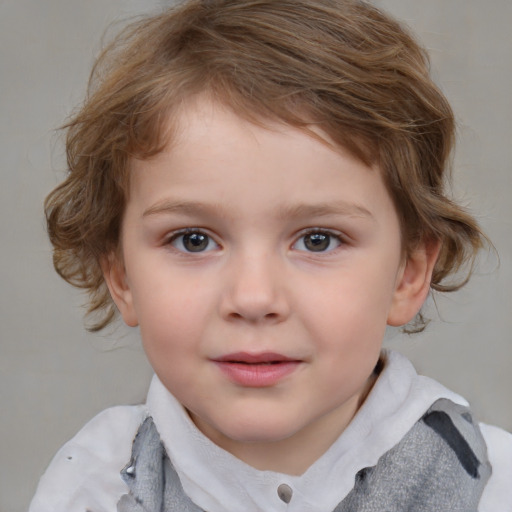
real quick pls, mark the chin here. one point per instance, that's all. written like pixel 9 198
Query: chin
pixel 258 431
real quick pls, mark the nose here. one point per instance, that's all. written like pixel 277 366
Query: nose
pixel 255 290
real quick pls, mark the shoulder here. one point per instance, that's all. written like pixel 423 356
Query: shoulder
pixel 497 496
pixel 85 472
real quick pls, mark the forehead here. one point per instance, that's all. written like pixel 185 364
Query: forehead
pixel 216 157
pixel 212 125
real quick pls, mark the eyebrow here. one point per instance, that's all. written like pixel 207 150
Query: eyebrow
pixel 184 207
pixel 343 208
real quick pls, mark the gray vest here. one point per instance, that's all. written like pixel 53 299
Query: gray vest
pixel 440 465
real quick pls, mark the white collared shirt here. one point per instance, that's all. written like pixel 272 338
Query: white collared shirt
pixel 84 474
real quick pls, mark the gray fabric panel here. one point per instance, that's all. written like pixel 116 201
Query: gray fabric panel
pixel 423 473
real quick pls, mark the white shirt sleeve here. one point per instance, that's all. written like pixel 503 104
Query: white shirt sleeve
pixel 85 472
pixel 497 496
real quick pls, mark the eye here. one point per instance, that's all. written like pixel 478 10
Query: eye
pixel 193 241
pixel 318 241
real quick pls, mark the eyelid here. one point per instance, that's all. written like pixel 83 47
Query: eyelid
pixel 341 238
pixel 328 231
pixel 174 235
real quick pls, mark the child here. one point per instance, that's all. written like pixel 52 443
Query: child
pixel 259 186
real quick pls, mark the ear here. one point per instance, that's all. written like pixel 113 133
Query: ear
pixel 114 274
pixel 413 283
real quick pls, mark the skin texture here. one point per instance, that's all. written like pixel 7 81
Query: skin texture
pixel 256 200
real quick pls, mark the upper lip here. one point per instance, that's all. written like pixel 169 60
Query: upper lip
pixel 254 358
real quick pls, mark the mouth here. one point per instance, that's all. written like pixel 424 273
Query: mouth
pixel 264 369
pixel 254 359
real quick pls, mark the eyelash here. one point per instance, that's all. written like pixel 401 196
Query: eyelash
pixel 330 235
pixel 175 237
pixel 204 241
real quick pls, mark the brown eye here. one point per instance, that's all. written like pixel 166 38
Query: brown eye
pixel 193 241
pixel 318 241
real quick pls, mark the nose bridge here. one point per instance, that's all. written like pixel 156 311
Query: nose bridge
pixel 254 286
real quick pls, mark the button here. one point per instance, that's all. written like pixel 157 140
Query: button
pixel 285 493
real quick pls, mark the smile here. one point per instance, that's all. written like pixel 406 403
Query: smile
pixel 256 370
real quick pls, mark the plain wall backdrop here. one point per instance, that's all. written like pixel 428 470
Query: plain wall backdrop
pixel 54 376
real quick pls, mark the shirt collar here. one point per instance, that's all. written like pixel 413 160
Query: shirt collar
pixel 219 482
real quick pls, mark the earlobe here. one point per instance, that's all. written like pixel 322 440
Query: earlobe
pixel 114 274
pixel 413 283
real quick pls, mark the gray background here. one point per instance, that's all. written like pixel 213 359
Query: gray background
pixel 54 376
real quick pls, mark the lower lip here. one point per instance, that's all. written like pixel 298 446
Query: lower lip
pixel 257 375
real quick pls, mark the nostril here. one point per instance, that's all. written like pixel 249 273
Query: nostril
pixel 272 316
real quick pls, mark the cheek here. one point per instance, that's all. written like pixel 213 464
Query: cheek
pixel 352 304
pixel 173 316
pixel 171 336
pixel 165 295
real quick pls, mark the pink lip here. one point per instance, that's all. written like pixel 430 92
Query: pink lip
pixel 256 370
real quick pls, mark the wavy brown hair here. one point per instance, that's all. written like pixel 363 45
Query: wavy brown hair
pixel 341 65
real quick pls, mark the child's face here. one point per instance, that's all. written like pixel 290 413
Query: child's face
pixel 262 267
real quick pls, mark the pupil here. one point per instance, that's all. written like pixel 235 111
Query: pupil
pixel 195 242
pixel 317 242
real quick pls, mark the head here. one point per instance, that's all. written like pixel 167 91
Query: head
pixel 291 82
pixel 340 66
